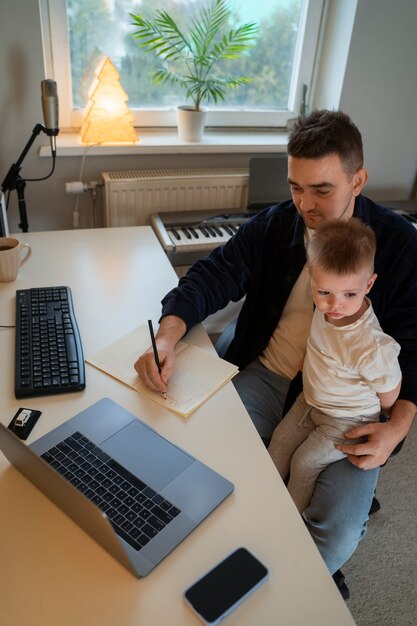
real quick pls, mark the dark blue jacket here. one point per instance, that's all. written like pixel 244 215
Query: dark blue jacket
pixel 263 261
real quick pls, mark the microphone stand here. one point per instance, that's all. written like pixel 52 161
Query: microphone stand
pixel 14 181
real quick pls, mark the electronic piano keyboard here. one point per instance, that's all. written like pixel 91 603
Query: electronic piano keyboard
pixel 187 236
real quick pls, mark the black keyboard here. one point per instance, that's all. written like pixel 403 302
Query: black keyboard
pixel 48 352
pixel 136 511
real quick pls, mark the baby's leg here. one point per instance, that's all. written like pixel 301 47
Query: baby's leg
pixel 310 458
pixel 289 434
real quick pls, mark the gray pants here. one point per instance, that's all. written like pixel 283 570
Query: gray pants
pixel 303 444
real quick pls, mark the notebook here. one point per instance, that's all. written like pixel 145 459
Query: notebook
pixel 197 375
pixel 134 492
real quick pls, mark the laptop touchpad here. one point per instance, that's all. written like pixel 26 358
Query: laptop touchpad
pixel 146 454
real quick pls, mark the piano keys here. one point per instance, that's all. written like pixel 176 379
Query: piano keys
pixel 187 236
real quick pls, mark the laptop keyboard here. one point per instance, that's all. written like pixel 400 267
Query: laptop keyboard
pixel 136 511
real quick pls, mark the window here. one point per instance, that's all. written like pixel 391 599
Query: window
pixel 281 63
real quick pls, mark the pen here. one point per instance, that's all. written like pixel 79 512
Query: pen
pixel 155 352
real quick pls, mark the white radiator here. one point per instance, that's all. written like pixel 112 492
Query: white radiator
pixel 131 196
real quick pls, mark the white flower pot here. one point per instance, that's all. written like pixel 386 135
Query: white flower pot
pixel 191 123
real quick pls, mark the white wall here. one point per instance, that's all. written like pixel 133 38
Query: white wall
pixel 21 70
pixel 379 91
pixel 335 45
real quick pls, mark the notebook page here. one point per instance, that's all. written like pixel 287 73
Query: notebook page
pixel 197 374
pixel 118 358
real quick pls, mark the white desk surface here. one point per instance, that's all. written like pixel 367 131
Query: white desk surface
pixel 51 572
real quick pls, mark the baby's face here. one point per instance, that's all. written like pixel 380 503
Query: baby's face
pixel 340 298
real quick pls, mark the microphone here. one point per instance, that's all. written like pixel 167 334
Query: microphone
pixel 50 109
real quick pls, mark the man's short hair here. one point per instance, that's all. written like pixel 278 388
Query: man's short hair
pixel 327 132
pixel 342 247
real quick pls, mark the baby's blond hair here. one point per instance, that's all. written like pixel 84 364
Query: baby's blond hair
pixel 342 247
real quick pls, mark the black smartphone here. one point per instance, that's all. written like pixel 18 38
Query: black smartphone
pixel 224 587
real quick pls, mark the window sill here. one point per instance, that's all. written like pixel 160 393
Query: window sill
pixel 166 141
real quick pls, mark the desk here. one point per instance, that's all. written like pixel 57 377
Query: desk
pixel 51 572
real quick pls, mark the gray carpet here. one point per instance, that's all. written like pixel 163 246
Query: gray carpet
pixel 382 574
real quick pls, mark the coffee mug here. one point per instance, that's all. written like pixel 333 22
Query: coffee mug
pixel 13 254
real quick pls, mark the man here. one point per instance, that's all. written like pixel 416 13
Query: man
pixel 265 261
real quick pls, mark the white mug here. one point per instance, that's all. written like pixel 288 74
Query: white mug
pixel 11 258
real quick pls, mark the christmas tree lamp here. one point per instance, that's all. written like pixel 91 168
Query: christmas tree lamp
pixel 108 119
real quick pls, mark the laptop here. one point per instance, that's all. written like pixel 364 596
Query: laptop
pixel 133 491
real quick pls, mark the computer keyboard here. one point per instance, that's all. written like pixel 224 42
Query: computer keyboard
pixel 136 511
pixel 48 352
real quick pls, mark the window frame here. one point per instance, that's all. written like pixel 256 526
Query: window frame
pixel 57 66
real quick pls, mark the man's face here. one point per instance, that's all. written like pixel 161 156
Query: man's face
pixel 321 189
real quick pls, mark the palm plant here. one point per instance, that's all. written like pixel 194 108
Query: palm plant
pixel 189 58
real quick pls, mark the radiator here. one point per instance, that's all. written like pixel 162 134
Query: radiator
pixel 131 196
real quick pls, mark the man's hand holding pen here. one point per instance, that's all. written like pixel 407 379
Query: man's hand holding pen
pixel 169 333
pixel 156 355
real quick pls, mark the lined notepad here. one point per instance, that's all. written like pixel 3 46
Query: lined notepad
pixel 197 373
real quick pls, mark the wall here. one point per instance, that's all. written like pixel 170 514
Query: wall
pixel 335 46
pixel 379 91
pixel 21 70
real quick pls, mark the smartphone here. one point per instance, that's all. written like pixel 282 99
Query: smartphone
pixel 224 587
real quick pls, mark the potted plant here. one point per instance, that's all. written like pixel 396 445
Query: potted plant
pixel 189 58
